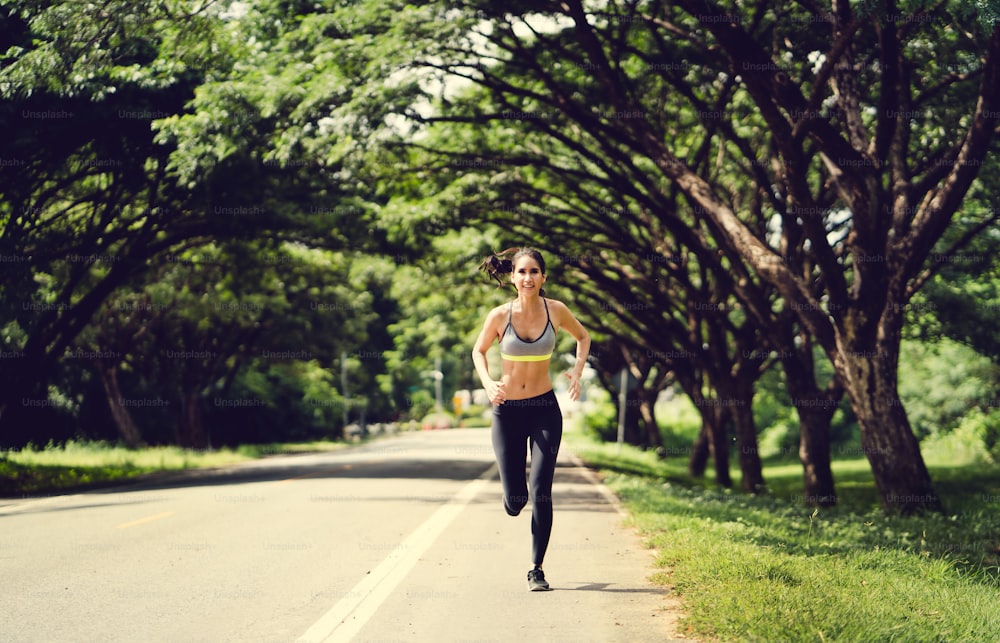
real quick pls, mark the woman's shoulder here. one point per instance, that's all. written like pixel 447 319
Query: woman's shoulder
pixel 498 312
pixel 563 318
pixel 555 305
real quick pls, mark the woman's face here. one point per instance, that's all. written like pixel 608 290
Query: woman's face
pixel 527 276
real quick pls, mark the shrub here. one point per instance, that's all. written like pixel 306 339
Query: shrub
pixel 974 440
pixel 601 419
pixel 438 420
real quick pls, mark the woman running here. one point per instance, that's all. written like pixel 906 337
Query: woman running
pixel 525 410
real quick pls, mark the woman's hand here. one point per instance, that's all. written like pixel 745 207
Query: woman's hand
pixel 497 392
pixel 574 385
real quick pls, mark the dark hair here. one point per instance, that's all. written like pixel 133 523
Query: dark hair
pixel 497 265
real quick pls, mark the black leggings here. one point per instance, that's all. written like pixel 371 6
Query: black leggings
pixel 537 420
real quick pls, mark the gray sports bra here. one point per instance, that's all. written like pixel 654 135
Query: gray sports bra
pixel 515 349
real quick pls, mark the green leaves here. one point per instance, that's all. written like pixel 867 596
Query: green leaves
pixel 147 130
pixel 109 46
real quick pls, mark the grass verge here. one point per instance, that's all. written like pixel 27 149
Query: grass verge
pixel 768 568
pixel 85 464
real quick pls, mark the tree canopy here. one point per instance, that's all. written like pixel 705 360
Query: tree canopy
pixel 722 189
pixel 812 157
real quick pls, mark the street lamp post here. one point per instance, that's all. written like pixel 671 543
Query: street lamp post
pixel 438 377
pixel 343 386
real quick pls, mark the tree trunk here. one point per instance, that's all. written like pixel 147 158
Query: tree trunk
pixel 698 462
pixel 815 409
pixel 633 432
pixel 652 438
pixel 128 432
pixel 869 374
pixel 191 427
pixel 24 404
pixel 814 451
pixel 714 422
pixel 746 436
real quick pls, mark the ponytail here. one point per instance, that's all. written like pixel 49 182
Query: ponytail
pixel 497 265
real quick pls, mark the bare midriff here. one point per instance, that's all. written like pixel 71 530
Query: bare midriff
pixel 525 379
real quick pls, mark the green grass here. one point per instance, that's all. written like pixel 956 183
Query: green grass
pixel 768 568
pixel 74 465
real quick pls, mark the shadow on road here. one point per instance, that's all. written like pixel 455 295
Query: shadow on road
pixel 574 491
pixel 607 587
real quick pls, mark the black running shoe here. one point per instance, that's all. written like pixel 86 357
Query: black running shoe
pixel 537 582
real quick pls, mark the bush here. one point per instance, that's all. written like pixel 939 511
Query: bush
pixel 940 381
pixel 973 441
pixel 292 402
pixel 438 420
pixel 679 423
pixel 420 404
pixel 475 416
pixel 601 419
pixel 780 440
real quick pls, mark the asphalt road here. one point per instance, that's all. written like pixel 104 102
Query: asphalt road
pixel 403 539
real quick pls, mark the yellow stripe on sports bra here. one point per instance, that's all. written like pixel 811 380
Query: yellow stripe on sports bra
pixel 525 358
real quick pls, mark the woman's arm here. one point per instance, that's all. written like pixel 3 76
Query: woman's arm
pixel 565 319
pixel 491 330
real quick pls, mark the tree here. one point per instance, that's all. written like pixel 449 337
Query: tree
pixel 548 185
pixel 844 140
pixel 85 204
pixel 446 299
pixel 141 131
pixel 646 379
pixel 898 209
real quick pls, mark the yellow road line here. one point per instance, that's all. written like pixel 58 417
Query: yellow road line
pixel 143 521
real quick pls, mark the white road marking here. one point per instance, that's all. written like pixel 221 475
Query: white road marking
pixel 351 613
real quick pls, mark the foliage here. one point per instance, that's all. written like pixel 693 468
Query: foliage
pixel 143 134
pixel 601 419
pixel 293 401
pixel 948 389
pixel 679 422
pixel 18 479
pixel 962 295
pixel 975 440
pixel 792 191
pixel 942 381
pixel 476 416
pixel 446 301
pixel 225 165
